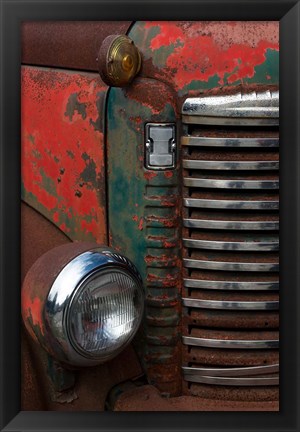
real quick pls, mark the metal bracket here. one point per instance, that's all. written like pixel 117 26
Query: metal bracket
pixel 160 146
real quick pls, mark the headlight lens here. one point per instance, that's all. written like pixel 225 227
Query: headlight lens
pixel 104 313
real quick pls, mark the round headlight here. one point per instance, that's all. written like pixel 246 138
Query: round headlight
pixel 104 313
pixel 92 309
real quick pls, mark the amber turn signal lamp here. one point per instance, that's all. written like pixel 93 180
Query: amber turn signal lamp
pixel 119 60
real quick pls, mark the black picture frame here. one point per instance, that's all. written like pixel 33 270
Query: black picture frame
pixel 13 12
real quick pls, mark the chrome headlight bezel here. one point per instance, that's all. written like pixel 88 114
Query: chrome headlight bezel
pixel 58 300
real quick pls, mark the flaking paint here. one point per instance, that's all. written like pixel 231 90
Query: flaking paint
pixel 63 172
pixel 203 55
pixel 143 213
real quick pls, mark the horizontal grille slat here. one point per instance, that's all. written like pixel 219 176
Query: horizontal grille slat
pixel 233 305
pixel 232 285
pixel 231 184
pixel 220 245
pixel 223 343
pixel 230 225
pixel 230 266
pixel 231 372
pixel 230 204
pixel 232 165
pixel 230 240
pixel 262 381
pixel 229 142
pixel 189 119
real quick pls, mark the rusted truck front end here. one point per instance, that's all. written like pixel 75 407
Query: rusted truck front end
pixel 150 216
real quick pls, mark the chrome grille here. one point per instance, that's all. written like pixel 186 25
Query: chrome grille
pixel 231 242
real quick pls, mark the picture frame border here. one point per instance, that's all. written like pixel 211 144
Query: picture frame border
pixel 13 13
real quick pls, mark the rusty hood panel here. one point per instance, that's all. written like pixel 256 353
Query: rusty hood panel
pixel 67 44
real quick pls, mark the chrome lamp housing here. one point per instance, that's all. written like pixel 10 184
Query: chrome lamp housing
pixel 83 303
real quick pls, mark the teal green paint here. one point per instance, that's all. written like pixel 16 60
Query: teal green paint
pixel 212 82
pixel 88 175
pixel 31 138
pixel 132 200
pixel 143 37
pixel 48 183
pixel 126 181
pixel 160 55
pixel 36 154
pixel 267 72
pixel 125 184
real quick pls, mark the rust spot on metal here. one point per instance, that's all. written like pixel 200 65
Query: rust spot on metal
pixel 168 174
pixel 140 226
pixel 161 260
pixel 166 281
pixel 149 175
pixel 148 95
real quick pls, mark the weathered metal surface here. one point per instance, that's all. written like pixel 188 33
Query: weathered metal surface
pixel 62 379
pixel 63 172
pixel 66 44
pixel 144 209
pixel 234 394
pixel 148 398
pixel 197 56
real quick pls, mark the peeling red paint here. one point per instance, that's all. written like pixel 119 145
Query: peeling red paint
pixel 140 227
pixel 136 120
pixel 32 311
pixel 169 222
pixel 181 52
pixel 167 281
pixel 169 244
pixel 135 218
pixel 63 150
pixel 163 259
pixel 149 175
pixel 64 227
pixel 55 217
pixel 167 203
